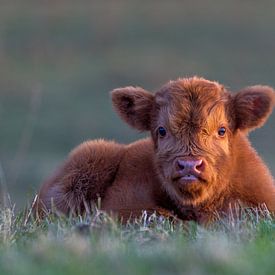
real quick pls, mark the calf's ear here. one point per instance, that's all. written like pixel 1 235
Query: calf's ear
pixel 252 106
pixel 134 105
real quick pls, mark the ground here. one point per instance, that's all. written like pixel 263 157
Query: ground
pixel 98 244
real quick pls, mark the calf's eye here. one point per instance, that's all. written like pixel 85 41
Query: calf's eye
pixel 221 131
pixel 162 131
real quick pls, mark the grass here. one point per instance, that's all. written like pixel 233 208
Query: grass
pixel 99 244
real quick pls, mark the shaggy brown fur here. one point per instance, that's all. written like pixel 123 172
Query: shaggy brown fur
pixel 197 162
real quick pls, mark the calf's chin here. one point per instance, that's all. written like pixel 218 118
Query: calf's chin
pixel 198 191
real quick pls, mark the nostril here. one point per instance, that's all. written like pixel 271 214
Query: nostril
pixel 181 164
pixel 199 165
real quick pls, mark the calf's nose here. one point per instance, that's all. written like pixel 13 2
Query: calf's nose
pixel 190 165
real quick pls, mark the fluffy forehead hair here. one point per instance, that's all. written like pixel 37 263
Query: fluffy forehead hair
pixel 191 100
pixel 194 90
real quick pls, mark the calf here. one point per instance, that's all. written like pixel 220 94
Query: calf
pixel 197 162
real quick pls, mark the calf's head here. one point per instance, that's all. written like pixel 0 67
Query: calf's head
pixel 194 124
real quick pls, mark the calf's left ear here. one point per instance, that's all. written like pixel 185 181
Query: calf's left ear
pixel 134 106
pixel 252 106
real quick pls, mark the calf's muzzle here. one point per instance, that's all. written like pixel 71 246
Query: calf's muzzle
pixel 189 168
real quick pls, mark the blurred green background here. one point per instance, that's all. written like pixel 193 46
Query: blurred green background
pixel 60 59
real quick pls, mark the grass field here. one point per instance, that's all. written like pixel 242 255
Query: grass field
pixel 99 244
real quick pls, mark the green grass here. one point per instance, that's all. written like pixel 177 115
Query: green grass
pixel 98 244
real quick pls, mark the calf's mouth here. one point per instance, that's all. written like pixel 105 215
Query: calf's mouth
pixel 189 178
pixel 186 177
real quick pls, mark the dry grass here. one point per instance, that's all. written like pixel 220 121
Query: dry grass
pixel 98 244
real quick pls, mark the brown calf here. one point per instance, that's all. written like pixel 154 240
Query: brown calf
pixel 198 160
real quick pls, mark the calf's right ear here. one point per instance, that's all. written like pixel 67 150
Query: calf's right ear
pixel 134 105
